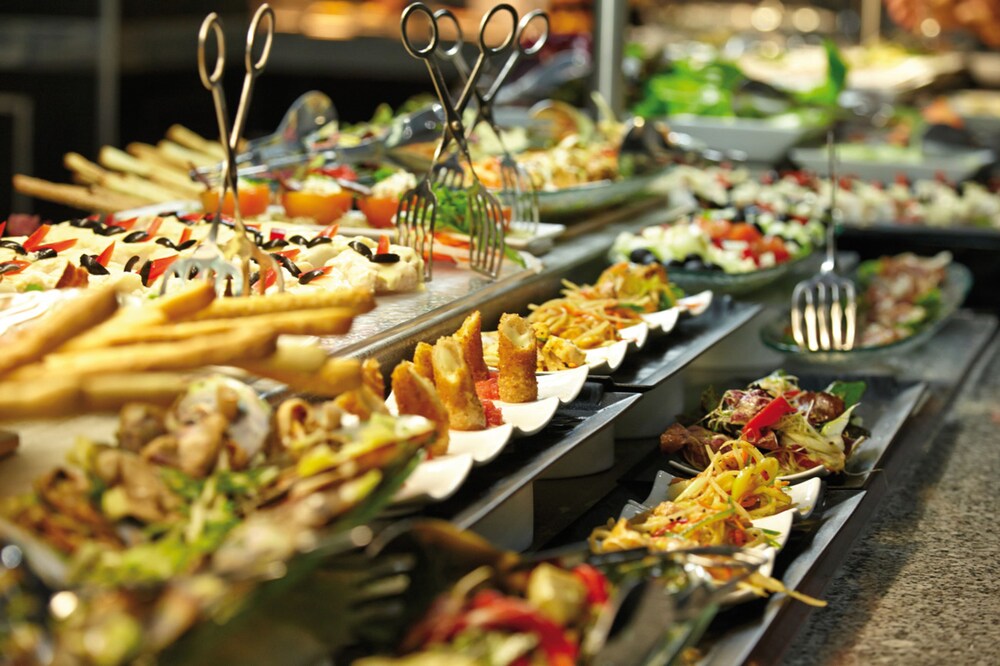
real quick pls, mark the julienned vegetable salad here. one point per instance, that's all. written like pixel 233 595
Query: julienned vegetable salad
pixel 800 429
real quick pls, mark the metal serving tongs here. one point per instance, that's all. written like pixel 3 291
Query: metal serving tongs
pixel 518 192
pixel 825 307
pixel 415 215
pixel 209 260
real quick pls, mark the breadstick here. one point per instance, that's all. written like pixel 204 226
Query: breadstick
pixel 60 324
pixel 518 354
pixel 69 195
pixel 189 139
pixel 360 300
pixel 455 386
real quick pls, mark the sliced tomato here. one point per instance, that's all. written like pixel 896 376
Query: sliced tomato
pixel 716 229
pixel 341 171
pixel 323 208
pixel 254 200
pixel 494 417
pixel 742 231
pixel 379 211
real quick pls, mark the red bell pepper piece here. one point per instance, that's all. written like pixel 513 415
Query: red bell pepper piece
pixel 343 172
pixel 3 227
pixel 330 231
pixel 594 581
pixel 31 242
pixel 58 246
pixel 766 418
pixel 383 244
pixel 185 235
pixel 291 253
pixel 104 257
pixel 154 226
pixel 158 267
pixel 124 224
pixel 274 233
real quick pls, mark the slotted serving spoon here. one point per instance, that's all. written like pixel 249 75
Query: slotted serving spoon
pixel 824 307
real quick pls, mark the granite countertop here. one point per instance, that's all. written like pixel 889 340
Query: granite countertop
pixel 922 583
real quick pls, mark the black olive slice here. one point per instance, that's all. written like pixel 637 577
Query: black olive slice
pixel 306 278
pixel 45 253
pixel 136 237
pixel 106 230
pixel 89 261
pixel 13 245
pixel 9 267
pixel 144 272
pixel 274 243
pixel 165 242
pixel 287 264
pixel 298 239
pixel 360 248
pixel 190 242
pixel 319 240
pixel 130 264
pixel 387 258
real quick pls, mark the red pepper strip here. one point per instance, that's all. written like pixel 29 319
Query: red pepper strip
pixel 766 417
pixel 291 253
pixel 444 257
pixel 343 172
pixel 383 244
pixel 275 234
pixel 330 231
pixel 158 267
pixel 270 277
pixel 494 611
pixel 31 242
pixel 153 227
pixel 594 581
pixel 104 257
pixel 58 246
pixel 192 217
pixel 20 263
pixel 124 224
pixel 3 227
pixel 185 235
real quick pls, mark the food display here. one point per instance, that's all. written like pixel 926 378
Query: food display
pixel 802 430
pixel 363 461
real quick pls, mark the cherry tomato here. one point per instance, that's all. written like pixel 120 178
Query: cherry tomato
pixel 254 199
pixel 379 211
pixel 322 207
pixel 715 228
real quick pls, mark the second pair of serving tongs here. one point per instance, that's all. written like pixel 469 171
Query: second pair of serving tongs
pixel 417 210
pixel 517 190
pixel 229 267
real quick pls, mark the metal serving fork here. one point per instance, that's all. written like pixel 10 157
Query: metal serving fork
pixel 824 307
pixel 484 214
pixel 209 260
pixel 517 190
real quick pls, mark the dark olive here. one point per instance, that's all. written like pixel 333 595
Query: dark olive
pixel 89 261
pixel 105 230
pixel 83 223
pixel 13 245
pixel 130 264
pixel 642 255
pixel 274 243
pixel 306 278
pixel 165 242
pixel 360 248
pixel 254 278
pixel 387 258
pixel 298 239
pixel 136 237
pixel 190 242
pixel 193 273
pixel 695 265
pixel 144 272
pixel 9 267
pixel 287 264
pixel 45 253
pixel 319 240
